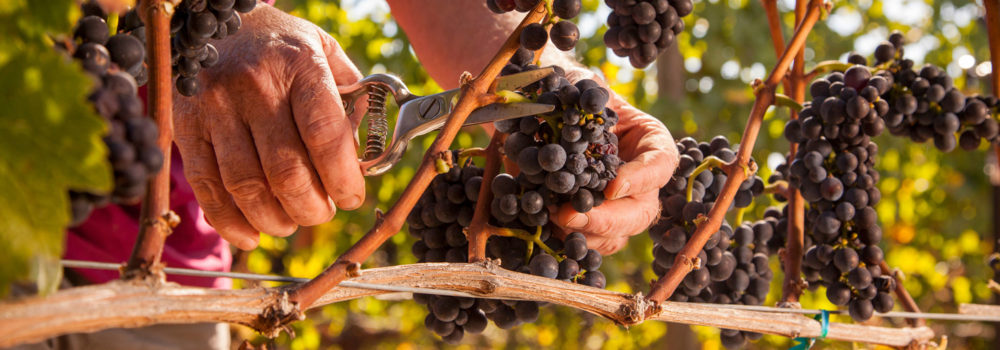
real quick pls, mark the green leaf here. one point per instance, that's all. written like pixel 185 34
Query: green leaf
pixel 34 19
pixel 50 142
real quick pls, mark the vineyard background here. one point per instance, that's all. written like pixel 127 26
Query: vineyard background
pixel 936 216
pixel 936 211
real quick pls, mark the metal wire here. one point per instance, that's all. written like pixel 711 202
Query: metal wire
pixel 271 278
pixel 378 124
pixel 390 288
pixel 891 314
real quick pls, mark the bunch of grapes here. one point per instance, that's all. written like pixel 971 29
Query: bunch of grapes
pixel 192 26
pixel 835 172
pixel 925 105
pixel 131 139
pixel 563 34
pixel 780 216
pixel 642 29
pixel 440 220
pixel 734 263
pixel 564 156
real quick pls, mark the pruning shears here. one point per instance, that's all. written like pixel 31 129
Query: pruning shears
pixel 419 115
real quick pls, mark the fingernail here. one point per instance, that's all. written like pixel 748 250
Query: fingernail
pixel 578 220
pixel 622 190
pixel 247 243
pixel 352 203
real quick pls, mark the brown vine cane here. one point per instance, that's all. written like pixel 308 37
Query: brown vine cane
pixel 156 215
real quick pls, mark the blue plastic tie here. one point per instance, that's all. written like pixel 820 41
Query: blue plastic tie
pixel 806 343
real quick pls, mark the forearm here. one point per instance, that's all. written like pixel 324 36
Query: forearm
pixel 452 37
pixel 462 36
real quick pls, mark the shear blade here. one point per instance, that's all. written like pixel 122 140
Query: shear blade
pixel 503 111
pixel 522 79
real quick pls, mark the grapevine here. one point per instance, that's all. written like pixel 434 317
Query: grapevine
pixel 491 225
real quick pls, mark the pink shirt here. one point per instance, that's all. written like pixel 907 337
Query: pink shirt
pixel 109 234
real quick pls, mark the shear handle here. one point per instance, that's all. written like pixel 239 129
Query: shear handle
pixel 356 94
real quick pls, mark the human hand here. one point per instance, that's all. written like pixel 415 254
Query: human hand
pixel 632 197
pixel 266 144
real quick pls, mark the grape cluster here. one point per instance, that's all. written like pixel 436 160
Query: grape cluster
pixel 565 156
pixel 131 139
pixel 642 29
pixel 563 34
pixel 779 240
pixel 734 262
pixel 925 105
pixel 439 221
pixel 835 172
pixel 192 26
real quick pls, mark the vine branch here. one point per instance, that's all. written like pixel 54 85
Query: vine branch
pixel 479 230
pixel 128 304
pixel 904 296
pixel 156 220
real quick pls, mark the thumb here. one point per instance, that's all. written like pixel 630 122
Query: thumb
pixel 344 72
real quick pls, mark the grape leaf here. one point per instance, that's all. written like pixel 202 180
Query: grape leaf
pixel 50 142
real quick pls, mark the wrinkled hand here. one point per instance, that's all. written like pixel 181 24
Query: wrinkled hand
pixel 266 143
pixel 632 197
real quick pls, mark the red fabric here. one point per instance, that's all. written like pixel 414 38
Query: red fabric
pixel 110 232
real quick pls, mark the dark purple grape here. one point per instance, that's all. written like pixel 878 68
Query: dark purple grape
pixel 575 248
pixel 838 293
pixel 551 157
pixel 860 309
pixel 845 259
pixel 564 35
pixel 566 9
pixel 534 36
pixel 126 51
pixel 544 265
pixel 91 29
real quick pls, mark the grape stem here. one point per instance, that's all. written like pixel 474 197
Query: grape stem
pixel 156 217
pixel 785 101
pixel 476 92
pixel 838 66
pixel 780 187
pixel 530 238
pixel 739 215
pixel 737 171
pixel 903 295
pixel 708 163
pixel 113 23
pixel 828 66
pixel 465 154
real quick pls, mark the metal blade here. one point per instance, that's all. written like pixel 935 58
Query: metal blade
pixel 517 80
pixel 503 111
